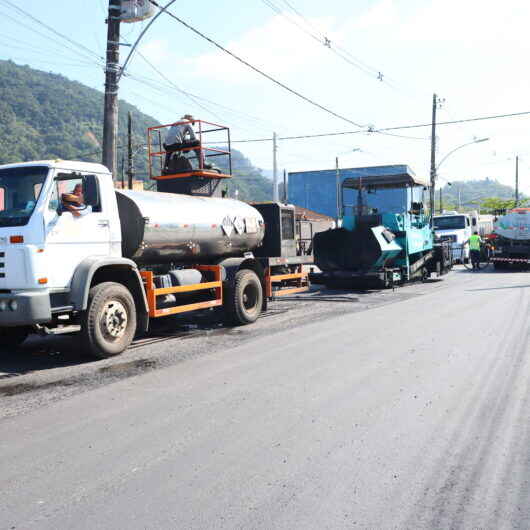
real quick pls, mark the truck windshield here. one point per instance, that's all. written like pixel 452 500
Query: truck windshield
pixel 20 189
pixel 455 222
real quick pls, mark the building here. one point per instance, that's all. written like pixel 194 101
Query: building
pixel 317 190
pixel 137 185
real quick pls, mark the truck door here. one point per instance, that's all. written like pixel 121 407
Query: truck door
pixel 76 226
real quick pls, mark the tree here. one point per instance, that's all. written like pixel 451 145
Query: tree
pixel 490 205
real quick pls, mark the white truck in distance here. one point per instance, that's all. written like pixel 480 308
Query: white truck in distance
pixel 76 252
pixel 456 228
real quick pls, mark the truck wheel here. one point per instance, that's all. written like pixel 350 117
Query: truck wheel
pixel 13 337
pixel 244 299
pixel 108 325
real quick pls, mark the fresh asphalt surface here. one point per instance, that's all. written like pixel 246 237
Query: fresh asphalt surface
pixel 413 412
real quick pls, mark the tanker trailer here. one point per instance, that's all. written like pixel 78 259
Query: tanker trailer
pixel 76 253
pixel 511 239
pixel 385 238
pixel 162 228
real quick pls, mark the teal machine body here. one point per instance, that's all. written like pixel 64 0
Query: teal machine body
pixel 385 234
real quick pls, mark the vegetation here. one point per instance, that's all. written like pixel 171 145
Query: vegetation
pixel 45 116
pixel 488 194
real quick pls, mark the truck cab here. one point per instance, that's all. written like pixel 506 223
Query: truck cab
pixel 47 245
pixel 456 228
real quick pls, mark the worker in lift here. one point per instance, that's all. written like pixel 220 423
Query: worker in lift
pixel 180 136
pixel 474 250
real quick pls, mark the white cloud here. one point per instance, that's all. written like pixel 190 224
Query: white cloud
pixel 276 47
pixel 383 13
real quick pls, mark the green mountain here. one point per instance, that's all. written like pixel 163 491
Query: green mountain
pixel 470 193
pixel 46 116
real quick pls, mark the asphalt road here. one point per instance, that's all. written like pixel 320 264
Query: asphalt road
pixel 413 414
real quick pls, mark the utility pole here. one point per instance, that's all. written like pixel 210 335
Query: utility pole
pixel 337 186
pixel 433 156
pixel 284 187
pixel 122 173
pixel 517 181
pixel 275 167
pixel 441 201
pixel 112 68
pixel 130 162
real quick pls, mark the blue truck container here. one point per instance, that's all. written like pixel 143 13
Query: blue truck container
pixel 317 190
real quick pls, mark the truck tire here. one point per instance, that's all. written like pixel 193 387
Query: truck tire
pixel 244 299
pixel 13 337
pixel 108 325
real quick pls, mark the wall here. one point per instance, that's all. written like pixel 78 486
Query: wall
pixel 317 190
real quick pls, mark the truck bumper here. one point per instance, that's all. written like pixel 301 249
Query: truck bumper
pixel 25 308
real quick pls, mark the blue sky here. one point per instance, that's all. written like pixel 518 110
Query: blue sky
pixel 471 53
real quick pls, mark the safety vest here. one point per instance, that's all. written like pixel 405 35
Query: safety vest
pixel 474 242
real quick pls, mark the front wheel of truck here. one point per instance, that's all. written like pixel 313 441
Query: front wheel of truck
pixel 108 325
pixel 13 337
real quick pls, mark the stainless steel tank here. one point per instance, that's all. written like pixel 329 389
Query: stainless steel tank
pixel 166 227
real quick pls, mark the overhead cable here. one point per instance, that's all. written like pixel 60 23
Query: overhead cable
pixel 384 129
pixel 257 70
pixel 51 29
pixel 322 39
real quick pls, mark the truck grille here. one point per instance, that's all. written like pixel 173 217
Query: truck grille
pixel 451 238
pixel 2 265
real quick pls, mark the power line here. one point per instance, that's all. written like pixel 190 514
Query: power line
pixel 166 89
pixel 257 70
pixel 49 28
pixel 78 53
pixel 385 129
pixel 176 87
pixel 323 40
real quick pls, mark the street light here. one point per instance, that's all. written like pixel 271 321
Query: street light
pixel 337 178
pixel 476 141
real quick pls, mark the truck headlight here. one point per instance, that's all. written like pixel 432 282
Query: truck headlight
pixel 13 305
pixel 3 305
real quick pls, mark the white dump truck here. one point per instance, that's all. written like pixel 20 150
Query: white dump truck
pixel 76 252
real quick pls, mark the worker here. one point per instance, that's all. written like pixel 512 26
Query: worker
pixel 75 202
pixel 181 135
pixel 474 250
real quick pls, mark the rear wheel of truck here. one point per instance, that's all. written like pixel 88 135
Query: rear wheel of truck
pixel 108 325
pixel 13 337
pixel 244 299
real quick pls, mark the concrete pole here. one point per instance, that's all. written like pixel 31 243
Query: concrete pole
pixel 275 197
pixel 517 181
pixel 112 69
pixel 130 162
pixel 433 155
pixel 337 186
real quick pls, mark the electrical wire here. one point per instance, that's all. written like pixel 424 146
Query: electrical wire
pixel 257 70
pixel 52 30
pixel 190 96
pixel 324 41
pixel 43 53
pixel 385 129
pixel 99 61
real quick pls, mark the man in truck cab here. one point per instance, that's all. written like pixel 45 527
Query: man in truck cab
pixel 474 249
pixel 75 202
